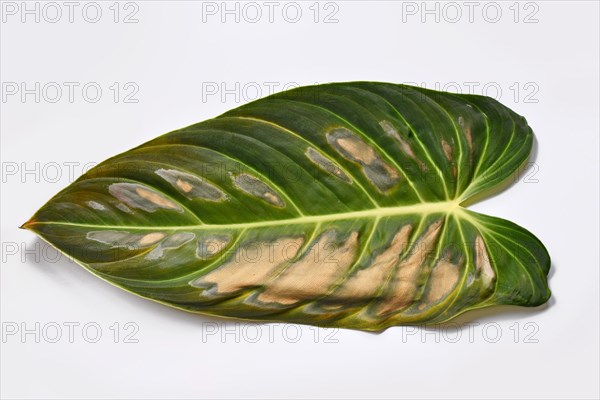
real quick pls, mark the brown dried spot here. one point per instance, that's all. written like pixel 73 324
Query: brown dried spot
pixel 155 198
pixel 466 129
pixel 365 283
pixel 151 238
pixel 141 197
pixel 443 279
pixel 186 187
pixel 124 239
pixel 447 150
pixel 325 263
pixel 358 149
pixel 326 164
pixel 353 148
pixel 482 263
pixel 404 284
pixel 257 188
pixel 271 198
pixel 192 186
pixel 250 266
pixel 389 129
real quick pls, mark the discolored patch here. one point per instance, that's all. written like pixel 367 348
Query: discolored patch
pixel 403 285
pixel 443 279
pixel 466 130
pixel 124 239
pixel 142 197
pixel 251 265
pixel 353 148
pixel 172 242
pixel 210 246
pixel 324 264
pixel 151 238
pixel 487 275
pixel 257 188
pixel 391 131
pixel 364 284
pixel 191 186
pixel 95 205
pixel 124 208
pixel 326 164
pixel 448 152
pixel 183 186
pixel 272 198
pixel 155 198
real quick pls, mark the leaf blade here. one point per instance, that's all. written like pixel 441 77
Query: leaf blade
pixel 207 219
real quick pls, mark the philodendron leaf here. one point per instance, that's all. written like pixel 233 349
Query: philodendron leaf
pixel 333 205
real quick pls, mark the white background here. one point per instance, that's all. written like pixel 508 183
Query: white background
pixel 173 55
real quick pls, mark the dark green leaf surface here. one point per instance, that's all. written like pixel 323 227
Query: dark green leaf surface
pixel 333 205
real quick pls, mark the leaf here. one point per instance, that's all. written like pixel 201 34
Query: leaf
pixel 334 205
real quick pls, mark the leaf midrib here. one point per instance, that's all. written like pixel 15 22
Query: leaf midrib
pixel 447 207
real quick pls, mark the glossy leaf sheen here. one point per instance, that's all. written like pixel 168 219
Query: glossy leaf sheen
pixel 333 205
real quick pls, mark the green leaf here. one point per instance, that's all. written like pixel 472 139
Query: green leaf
pixel 333 205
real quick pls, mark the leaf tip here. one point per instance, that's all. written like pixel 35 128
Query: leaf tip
pixel 29 224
